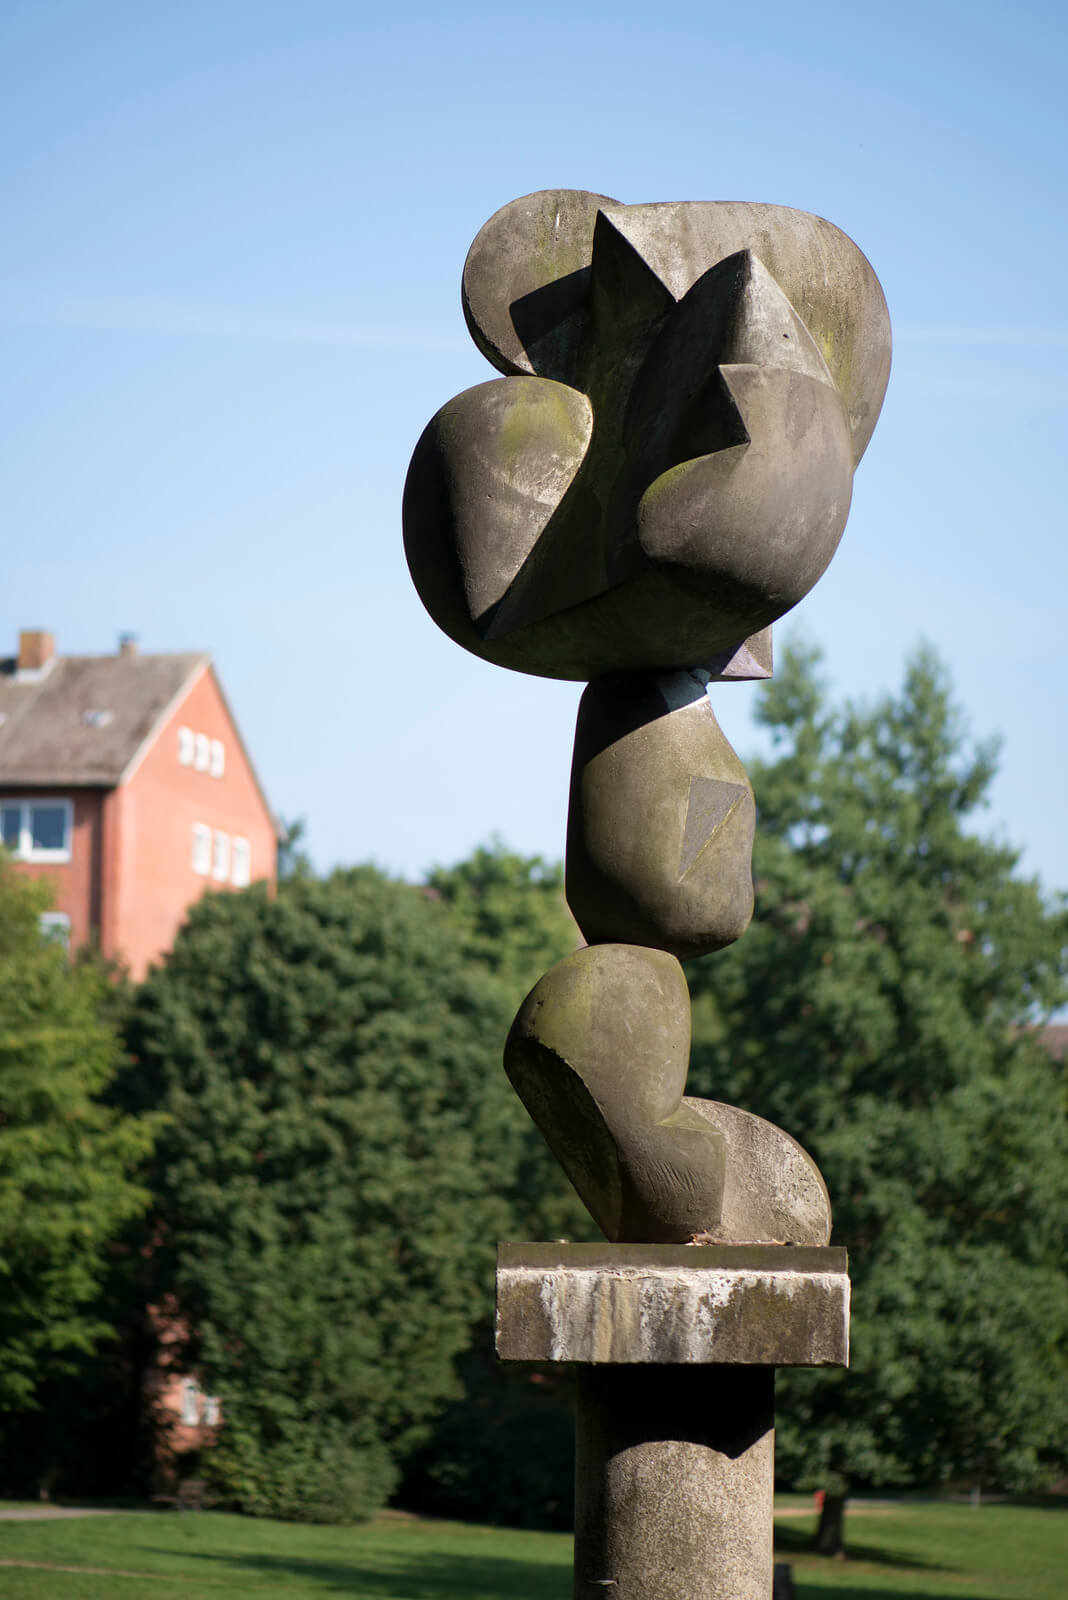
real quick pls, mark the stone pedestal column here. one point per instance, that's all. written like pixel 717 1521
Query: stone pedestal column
pixel 676 1348
pixel 674 1473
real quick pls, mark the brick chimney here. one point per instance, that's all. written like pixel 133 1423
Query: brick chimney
pixel 36 649
pixel 128 644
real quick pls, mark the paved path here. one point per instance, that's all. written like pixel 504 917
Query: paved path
pixel 97 1572
pixel 56 1513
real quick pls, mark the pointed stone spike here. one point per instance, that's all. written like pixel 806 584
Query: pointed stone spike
pixel 622 283
pixel 763 329
pixel 752 659
pixel 711 803
pixel 682 405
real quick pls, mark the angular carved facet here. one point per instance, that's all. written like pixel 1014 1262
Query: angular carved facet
pixel 660 825
pixel 711 802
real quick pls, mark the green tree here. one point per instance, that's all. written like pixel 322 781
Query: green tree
pixel 509 912
pixel 67 1161
pixel 502 1451
pixel 884 1008
pixel 341 1156
pixel 511 924
pixel 292 857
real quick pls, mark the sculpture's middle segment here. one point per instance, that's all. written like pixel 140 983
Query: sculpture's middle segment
pixel 665 470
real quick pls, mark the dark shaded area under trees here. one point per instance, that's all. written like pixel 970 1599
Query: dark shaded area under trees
pixel 338 1150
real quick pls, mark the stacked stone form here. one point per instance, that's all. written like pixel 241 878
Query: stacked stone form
pixel 663 471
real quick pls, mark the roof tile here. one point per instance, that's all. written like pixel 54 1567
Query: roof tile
pixel 47 734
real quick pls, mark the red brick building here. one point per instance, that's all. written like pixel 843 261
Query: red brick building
pixel 125 781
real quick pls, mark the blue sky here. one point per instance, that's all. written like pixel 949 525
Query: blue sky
pixel 230 303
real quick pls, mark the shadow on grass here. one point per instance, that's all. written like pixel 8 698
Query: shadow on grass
pixel 798 1542
pixel 818 1591
pixel 432 1577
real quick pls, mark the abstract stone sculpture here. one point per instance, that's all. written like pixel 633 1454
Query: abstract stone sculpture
pixel 663 471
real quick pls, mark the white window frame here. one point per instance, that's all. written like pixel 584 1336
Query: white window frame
pixel 55 925
pixel 25 849
pixel 186 744
pixel 220 856
pixel 201 752
pixel 189 1406
pixel 201 849
pixel 217 762
pixel 240 862
pixel 211 1411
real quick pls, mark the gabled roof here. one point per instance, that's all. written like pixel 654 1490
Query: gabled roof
pixel 1055 1038
pixel 83 719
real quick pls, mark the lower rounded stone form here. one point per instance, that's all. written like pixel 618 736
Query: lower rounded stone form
pixel 598 1054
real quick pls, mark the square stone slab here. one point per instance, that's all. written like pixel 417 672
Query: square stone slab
pixel 755 1305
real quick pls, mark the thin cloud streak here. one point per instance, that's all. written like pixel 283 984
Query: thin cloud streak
pixel 186 322
pixel 200 322
pixel 1057 337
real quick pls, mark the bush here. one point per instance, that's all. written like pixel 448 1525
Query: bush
pixel 319 1476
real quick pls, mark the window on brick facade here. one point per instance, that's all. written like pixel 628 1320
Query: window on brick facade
pixel 218 758
pixel 201 849
pixel 190 1412
pixel 186 743
pixel 220 857
pixel 11 826
pixel 201 752
pixel 55 925
pixel 241 864
pixel 37 830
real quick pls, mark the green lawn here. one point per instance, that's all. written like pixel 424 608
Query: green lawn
pixel 993 1553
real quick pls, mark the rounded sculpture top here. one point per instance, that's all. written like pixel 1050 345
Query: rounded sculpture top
pixel 666 467
pixel 526 282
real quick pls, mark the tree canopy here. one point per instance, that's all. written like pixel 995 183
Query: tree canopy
pixel 67 1161
pixel 885 1008
pixel 339 1150
pixel 342 1154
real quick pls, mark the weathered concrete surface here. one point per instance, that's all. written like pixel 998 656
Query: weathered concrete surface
pixel 673 1305
pixel 661 817
pixel 673 1483
pixel 526 282
pixel 773 1191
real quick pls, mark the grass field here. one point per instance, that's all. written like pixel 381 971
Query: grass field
pixel 997 1552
